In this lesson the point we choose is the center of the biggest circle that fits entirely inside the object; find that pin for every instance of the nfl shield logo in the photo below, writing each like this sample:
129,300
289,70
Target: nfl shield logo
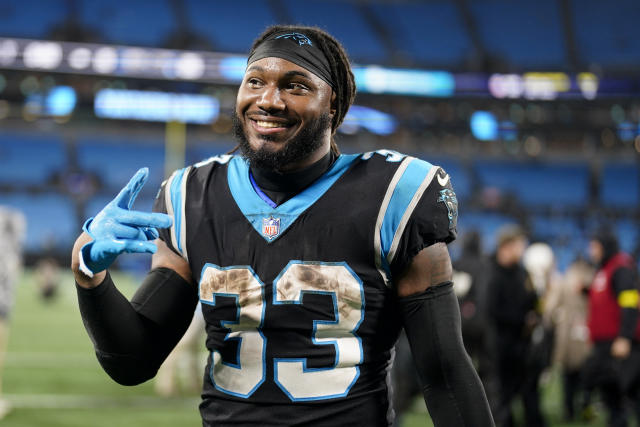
270,227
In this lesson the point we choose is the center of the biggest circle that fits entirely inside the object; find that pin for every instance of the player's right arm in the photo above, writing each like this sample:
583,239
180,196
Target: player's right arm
131,338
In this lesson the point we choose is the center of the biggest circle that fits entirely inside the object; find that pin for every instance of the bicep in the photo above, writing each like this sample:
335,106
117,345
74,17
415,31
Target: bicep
166,258
431,266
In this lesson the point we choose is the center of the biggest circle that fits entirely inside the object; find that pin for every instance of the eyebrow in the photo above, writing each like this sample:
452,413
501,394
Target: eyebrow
291,73
297,73
255,68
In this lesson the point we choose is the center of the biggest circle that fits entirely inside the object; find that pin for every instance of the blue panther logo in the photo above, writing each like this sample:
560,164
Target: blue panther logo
297,37
448,197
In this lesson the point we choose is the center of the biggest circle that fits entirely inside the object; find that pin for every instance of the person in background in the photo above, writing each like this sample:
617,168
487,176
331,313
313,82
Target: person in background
614,327
566,307
539,261
47,278
12,233
513,305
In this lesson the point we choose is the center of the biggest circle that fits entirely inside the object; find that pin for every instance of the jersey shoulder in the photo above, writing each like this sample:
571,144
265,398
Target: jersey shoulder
190,182
419,208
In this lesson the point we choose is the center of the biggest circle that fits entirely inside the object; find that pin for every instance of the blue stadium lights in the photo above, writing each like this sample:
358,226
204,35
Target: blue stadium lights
380,80
60,101
484,126
57,102
374,121
156,106
232,68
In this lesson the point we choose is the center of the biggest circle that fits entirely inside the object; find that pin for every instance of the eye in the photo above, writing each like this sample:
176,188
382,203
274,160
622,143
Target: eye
253,82
297,87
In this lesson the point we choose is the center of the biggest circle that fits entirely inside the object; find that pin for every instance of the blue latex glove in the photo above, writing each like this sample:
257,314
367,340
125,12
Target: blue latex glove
117,229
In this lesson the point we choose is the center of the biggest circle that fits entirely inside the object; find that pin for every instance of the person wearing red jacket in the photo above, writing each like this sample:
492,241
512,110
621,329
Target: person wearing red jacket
614,327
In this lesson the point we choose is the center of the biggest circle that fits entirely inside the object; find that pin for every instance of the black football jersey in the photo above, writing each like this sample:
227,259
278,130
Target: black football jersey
298,298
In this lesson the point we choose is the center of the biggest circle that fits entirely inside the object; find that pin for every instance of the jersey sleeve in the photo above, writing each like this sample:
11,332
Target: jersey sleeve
171,199
433,219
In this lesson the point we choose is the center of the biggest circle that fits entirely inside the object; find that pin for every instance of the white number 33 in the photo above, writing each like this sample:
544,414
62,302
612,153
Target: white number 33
293,376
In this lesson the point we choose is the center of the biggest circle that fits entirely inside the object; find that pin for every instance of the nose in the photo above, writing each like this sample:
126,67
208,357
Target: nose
270,100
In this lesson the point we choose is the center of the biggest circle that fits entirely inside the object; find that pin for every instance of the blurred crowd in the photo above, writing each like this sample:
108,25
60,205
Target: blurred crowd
521,318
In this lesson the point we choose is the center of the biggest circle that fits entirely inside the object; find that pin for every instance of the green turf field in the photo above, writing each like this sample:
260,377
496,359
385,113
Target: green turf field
52,378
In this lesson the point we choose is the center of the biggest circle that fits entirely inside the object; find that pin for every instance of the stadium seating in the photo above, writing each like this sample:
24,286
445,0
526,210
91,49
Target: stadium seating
344,21
230,26
430,33
526,34
607,32
620,185
115,162
486,223
17,18
629,235
51,220
141,22
30,159
546,185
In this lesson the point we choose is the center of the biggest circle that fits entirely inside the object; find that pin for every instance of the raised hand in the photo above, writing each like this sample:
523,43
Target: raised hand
117,229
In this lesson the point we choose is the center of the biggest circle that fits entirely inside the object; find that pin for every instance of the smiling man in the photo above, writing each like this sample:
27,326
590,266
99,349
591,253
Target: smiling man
307,262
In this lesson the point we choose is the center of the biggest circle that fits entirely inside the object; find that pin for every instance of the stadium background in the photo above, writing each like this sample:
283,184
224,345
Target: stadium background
532,107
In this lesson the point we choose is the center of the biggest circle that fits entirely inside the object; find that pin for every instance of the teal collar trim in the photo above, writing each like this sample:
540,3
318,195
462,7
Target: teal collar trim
272,222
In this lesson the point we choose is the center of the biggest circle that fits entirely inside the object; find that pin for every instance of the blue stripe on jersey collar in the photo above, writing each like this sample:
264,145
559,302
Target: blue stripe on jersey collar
256,210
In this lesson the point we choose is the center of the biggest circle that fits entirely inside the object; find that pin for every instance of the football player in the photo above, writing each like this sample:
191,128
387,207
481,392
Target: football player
307,262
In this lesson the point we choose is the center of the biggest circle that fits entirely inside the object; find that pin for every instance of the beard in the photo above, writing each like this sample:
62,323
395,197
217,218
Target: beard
306,142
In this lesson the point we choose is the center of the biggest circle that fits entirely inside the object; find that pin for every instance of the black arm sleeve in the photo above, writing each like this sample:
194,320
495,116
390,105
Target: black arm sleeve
624,279
132,339
452,389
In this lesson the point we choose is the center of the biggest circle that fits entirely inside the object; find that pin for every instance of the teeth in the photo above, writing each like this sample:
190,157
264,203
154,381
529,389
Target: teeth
264,124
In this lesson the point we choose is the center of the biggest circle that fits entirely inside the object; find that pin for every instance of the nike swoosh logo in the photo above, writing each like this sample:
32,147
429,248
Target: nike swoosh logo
442,180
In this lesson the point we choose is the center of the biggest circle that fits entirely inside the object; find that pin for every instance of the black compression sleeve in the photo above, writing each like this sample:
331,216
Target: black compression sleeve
131,345
452,390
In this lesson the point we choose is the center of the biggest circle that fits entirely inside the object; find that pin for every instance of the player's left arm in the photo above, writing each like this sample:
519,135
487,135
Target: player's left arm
422,275
431,318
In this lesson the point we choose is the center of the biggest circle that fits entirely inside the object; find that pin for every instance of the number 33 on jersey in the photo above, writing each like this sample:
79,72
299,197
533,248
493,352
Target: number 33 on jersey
242,376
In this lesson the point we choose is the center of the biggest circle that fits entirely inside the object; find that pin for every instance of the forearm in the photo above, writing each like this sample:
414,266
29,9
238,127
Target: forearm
132,339
121,337
452,390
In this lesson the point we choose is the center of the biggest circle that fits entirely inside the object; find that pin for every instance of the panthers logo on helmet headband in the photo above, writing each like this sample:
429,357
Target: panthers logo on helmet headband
298,37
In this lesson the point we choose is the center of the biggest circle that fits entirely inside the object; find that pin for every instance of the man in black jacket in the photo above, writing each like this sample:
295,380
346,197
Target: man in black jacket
512,311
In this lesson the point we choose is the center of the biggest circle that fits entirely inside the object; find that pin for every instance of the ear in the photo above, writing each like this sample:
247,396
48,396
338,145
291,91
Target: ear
334,102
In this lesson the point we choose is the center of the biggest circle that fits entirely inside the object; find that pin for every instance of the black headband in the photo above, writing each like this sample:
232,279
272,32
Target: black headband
297,48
